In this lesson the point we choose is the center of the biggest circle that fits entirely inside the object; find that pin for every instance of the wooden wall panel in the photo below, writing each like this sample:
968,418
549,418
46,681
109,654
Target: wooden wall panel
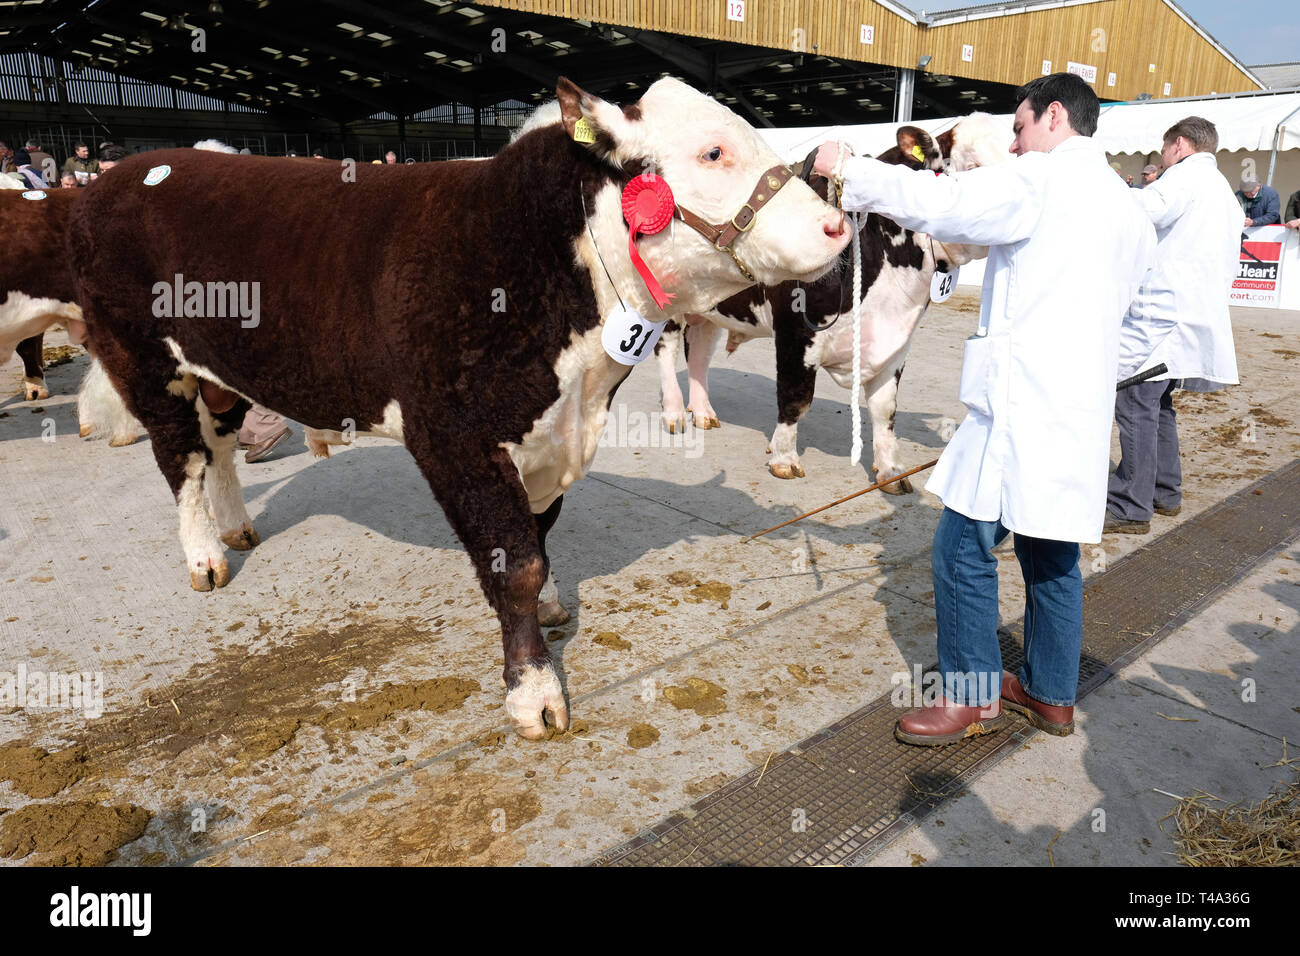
1120,36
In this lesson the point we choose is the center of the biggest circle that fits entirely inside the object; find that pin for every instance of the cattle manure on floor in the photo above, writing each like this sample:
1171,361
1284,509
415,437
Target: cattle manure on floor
702,696
70,834
611,640
642,735
56,355
38,773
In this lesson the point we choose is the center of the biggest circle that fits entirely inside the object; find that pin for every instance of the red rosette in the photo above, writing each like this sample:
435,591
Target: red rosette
648,206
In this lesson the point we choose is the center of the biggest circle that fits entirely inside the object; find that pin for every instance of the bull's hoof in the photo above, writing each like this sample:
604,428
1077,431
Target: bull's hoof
85,430
34,390
551,614
241,539
122,440
675,423
537,695
214,576
783,470
903,487
706,421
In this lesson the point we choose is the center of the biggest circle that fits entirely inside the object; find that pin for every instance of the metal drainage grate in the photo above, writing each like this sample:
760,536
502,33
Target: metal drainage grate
857,788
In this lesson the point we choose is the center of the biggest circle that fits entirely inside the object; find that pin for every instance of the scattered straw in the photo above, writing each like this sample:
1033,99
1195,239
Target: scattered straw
1185,720
1051,859
1267,834
764,770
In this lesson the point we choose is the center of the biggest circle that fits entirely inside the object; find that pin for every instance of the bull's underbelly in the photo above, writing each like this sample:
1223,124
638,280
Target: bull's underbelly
563,441
757,324
889,318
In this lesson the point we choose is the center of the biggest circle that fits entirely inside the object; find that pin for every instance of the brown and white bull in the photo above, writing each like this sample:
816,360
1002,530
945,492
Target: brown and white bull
35,283
897,268
456,307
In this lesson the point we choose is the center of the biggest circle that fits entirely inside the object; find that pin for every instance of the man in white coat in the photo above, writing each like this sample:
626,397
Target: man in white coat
1180,317
1068,248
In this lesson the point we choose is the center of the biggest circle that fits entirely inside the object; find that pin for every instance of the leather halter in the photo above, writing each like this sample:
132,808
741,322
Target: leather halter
722,236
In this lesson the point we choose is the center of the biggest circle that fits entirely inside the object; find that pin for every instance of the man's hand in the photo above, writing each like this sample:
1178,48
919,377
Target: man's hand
1293,224
1249,221
828,157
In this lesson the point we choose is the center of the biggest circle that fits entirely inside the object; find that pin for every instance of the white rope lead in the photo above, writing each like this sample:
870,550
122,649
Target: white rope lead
855,456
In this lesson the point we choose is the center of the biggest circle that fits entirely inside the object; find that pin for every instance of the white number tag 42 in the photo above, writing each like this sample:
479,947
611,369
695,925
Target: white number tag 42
629,337
942,285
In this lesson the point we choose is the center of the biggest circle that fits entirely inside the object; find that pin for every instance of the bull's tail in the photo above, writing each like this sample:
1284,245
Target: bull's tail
101,411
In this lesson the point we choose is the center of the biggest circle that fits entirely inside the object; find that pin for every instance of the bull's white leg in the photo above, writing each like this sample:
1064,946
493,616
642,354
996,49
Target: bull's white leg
204,554
101,411
550,613
538,695
784,451
882,406
673,405
222,485
34,388
703,338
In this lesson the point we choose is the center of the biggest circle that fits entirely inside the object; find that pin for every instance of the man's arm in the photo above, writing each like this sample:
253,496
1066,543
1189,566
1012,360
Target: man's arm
1164,201
988,206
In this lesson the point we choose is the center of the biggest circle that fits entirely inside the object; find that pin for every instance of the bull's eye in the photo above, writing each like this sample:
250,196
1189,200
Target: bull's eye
714,154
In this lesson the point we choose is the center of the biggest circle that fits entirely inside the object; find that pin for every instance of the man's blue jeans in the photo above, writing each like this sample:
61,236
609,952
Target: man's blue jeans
966,608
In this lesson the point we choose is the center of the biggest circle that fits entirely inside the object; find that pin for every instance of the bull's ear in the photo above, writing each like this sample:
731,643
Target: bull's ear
912,139
570,96
607,126
945,142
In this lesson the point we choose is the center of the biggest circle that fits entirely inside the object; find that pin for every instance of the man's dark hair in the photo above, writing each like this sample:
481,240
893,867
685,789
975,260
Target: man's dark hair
79,145
113,154
1198,131
1071,92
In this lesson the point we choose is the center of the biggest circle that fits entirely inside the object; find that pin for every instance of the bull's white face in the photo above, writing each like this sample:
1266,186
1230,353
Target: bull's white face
712,160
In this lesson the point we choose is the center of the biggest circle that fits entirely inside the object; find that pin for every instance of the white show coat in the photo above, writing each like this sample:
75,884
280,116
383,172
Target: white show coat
1068,249
1182,308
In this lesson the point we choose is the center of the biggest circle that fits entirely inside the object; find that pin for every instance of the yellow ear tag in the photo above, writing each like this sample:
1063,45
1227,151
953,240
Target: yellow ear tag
583,132
917,152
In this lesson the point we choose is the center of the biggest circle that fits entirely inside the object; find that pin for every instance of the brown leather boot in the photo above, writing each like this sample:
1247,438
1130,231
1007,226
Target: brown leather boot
946,723
1048,717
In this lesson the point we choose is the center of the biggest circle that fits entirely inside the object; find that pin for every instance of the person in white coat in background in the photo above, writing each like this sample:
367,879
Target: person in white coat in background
1180,317
1068,249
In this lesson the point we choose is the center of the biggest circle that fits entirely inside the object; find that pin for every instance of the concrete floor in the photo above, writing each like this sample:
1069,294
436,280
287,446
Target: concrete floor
339,701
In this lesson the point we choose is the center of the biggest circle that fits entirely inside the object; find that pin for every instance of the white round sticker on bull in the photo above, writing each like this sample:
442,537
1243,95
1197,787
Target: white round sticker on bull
942,285
34,194
157,175
630,337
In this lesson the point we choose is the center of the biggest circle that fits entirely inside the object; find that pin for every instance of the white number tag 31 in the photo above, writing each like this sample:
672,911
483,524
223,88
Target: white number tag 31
942,285
629,337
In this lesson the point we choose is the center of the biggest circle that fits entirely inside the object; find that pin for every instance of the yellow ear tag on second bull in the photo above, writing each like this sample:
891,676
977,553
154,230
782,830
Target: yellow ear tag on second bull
918,154
583,132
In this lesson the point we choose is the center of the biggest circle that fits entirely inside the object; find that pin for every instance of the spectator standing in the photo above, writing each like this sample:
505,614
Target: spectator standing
1292,218
111,155
1179,318
1260,203
80,164
1150,173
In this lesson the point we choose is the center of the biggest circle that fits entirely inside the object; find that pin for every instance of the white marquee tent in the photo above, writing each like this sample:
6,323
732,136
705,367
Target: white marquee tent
1130,132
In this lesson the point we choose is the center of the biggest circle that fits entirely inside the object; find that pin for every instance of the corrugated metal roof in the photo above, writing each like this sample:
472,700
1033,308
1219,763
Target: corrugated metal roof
1278,76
